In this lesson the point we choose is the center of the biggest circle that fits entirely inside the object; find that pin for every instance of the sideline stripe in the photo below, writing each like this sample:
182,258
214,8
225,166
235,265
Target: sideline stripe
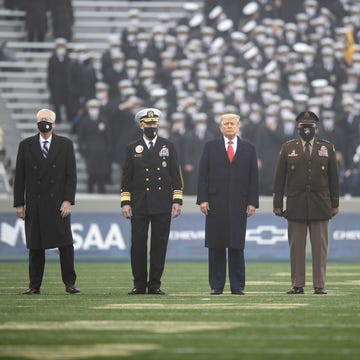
74,352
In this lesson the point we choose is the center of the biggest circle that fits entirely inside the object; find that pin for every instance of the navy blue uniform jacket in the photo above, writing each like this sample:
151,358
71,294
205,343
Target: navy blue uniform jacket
151,180
229,189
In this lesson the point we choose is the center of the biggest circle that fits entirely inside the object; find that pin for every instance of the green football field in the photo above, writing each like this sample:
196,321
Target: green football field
103,322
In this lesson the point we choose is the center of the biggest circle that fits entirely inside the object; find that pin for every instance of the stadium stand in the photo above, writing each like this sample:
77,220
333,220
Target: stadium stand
264,62
23,79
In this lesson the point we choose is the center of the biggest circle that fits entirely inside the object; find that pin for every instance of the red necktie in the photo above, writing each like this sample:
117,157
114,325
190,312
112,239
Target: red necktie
230,151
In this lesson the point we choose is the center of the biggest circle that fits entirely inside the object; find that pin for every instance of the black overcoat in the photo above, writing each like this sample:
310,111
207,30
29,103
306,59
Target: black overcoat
229,189
42,185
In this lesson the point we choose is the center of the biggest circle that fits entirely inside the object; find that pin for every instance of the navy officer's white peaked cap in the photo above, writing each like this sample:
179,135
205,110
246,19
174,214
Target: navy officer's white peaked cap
148,115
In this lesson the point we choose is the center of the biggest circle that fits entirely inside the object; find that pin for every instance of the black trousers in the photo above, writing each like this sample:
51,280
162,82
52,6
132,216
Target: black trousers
160,228
217,268
37,265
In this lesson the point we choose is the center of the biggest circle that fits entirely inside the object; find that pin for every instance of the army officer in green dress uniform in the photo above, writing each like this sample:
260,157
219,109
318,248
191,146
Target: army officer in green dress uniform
151,192
307,173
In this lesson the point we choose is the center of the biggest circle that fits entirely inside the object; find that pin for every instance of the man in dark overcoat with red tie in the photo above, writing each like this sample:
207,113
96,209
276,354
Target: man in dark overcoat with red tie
227,194
44,190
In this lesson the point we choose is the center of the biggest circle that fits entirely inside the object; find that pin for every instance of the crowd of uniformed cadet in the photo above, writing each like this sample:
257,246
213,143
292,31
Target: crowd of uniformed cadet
265,60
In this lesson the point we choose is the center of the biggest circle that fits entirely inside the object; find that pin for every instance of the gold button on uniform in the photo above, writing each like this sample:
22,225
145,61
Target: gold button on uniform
147,189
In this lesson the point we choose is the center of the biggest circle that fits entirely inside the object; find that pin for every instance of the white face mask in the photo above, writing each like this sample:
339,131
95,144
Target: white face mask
182,38
159,38
271,123
162,132
327,100
311,11
93,113
289,127
60,51
142,45
244,108
329,124
178,127
291,37
252,82
255,118
101,95
114,50
118,67
269,51
131,73
200,128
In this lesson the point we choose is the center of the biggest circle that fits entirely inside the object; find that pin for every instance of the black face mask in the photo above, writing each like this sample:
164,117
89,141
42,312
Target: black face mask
150,132
307,133
44,126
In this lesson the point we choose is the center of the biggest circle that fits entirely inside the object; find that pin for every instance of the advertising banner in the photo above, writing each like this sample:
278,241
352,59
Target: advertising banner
107,235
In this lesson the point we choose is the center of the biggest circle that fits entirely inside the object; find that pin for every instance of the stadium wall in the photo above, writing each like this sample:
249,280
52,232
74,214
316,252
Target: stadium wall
101,233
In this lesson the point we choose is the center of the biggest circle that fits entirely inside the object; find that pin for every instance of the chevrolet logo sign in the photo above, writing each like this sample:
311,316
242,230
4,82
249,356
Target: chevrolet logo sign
266,235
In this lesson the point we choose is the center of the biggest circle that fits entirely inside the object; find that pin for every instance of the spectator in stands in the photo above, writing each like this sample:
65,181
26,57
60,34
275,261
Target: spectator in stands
62,18
123,128
106,57
350,123
44,190
85,79
95,146
115,73
194,144
268,143
36,22
58,79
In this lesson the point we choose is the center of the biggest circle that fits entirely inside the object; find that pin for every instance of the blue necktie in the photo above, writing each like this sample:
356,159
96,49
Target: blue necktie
45,149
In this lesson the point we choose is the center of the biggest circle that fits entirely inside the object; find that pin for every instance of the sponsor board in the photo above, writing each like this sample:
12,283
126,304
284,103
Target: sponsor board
108,235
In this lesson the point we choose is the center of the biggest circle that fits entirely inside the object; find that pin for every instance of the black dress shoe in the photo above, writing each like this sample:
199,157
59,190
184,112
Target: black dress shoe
72,289
156,292
237,292
296,290
320,291
137,291
31,291
216,292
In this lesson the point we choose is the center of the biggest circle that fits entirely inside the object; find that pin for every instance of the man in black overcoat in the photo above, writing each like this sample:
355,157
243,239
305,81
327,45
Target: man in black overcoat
227,194
44,190
151,192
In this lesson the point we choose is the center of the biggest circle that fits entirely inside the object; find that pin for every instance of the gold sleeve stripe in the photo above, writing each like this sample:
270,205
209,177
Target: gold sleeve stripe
125,196
177,194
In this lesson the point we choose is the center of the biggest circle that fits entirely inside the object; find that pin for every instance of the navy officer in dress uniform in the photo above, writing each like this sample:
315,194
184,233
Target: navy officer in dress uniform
307,173
151,192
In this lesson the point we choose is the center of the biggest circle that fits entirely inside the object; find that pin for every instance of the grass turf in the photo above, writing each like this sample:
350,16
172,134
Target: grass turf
103,322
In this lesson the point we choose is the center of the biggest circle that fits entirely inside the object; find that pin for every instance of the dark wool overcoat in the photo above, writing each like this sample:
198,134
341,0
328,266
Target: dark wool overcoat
228,188
42,185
